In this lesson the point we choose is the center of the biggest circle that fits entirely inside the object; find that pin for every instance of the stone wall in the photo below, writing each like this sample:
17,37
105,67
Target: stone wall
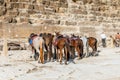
89,17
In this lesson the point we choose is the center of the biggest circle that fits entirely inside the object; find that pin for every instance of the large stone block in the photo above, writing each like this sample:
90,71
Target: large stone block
78,11
1,2
61,10
48,22
46,3
14,12
3,10
14,0
24,19
22,6
24,0
21,19
70,23
15,5
31,7
31,11
25,14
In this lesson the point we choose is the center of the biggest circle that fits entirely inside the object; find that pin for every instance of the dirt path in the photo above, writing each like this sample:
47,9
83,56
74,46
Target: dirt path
18,66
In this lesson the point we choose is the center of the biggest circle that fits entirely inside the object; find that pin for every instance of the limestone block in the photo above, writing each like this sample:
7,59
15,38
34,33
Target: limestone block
38,1
64,5
32,1
103,1
45,2
14,12
57,17
14,20
48,22
3,10
9,6
101,8
97,13
62,10
1,2
22,6
14,0
100,19
23,19
36,7
74,6
79,11
96,2
31,7
56,22
31,11
24,0
8,19
41,8
36,16
32,21
70,23
74,0
49,11
92,18
90,1
84,1
63,1
24,14
15,5
53,4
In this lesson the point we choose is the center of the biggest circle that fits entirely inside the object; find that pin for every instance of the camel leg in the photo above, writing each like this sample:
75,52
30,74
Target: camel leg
61,56
72,52
66,55
41,56
78,51
57,56
50,53
86,51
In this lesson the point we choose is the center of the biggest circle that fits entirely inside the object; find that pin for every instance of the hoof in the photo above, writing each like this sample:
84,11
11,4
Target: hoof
60,62
48,60
78,58
65,63
96,54
42,62
74,62
30,56
86,56
36,57
57,60
52,60
38,61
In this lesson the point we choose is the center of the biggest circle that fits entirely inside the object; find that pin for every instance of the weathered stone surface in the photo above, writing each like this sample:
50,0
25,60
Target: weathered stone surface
1,2
88,14
3,10
68,23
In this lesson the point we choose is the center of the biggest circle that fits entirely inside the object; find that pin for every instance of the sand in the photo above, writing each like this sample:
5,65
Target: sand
19,66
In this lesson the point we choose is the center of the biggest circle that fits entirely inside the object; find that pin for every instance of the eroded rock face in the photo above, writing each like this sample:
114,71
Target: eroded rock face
1,2
62,8
79,13
3,10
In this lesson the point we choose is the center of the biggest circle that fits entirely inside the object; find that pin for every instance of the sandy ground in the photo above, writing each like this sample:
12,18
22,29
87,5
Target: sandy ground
19,66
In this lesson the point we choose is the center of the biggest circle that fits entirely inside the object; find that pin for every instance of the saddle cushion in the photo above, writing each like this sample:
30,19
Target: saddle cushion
30,41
